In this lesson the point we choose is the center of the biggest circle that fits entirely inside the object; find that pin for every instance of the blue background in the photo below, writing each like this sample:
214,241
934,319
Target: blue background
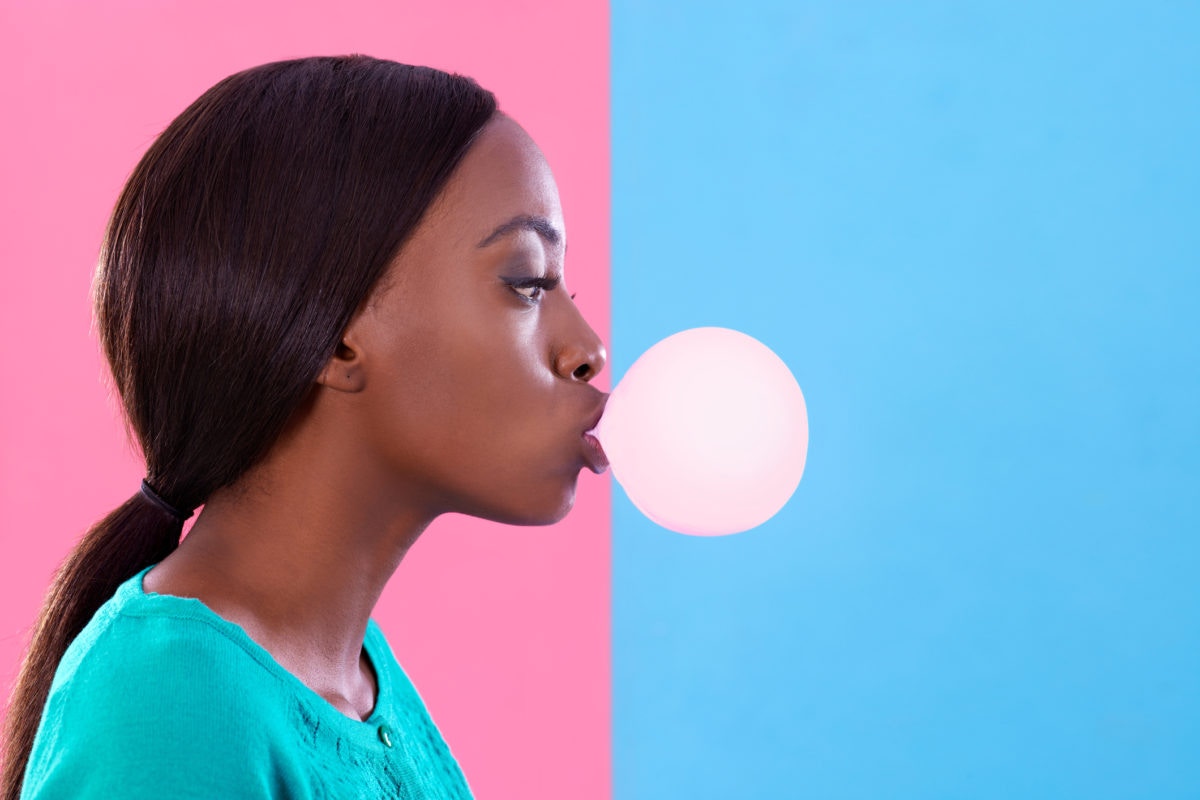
973,232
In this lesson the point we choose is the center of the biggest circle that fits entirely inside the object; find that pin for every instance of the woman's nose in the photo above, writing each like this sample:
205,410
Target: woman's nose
582,355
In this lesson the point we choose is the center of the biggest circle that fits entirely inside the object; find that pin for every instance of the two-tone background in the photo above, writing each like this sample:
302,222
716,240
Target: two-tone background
972,229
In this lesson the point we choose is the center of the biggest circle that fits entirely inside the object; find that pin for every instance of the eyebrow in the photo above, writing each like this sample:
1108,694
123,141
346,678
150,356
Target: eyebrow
539,225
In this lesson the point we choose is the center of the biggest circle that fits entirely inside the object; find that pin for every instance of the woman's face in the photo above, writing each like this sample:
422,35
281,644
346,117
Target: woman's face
475,361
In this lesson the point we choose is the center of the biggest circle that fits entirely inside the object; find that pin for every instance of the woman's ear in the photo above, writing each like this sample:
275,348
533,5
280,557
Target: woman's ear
344,371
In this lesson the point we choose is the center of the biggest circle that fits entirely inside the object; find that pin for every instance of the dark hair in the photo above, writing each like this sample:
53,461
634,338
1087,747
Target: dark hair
241,247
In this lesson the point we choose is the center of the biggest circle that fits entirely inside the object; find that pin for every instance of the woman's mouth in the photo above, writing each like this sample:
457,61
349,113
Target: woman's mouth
593,453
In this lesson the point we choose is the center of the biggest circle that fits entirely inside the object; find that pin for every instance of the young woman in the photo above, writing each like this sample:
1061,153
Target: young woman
331,295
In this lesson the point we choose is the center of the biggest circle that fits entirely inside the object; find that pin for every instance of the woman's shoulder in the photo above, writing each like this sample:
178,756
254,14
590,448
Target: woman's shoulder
142,643
153,686
160,692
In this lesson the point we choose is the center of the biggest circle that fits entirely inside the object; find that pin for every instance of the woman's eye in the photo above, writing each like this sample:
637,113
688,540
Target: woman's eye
532,289
529,292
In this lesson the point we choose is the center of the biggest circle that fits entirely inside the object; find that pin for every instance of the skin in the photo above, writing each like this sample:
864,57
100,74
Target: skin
451,391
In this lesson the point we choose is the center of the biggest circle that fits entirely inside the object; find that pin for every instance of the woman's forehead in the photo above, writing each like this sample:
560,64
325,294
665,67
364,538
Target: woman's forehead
503,177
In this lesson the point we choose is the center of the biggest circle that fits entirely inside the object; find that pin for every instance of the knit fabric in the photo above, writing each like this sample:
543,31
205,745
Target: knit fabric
161,697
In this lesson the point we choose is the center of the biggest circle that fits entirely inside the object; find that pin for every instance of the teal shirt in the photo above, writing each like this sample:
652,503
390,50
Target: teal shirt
161,697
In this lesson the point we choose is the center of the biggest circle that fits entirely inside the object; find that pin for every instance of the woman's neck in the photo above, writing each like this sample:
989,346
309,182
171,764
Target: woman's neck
297,553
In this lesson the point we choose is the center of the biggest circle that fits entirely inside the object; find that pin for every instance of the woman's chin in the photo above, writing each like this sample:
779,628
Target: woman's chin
552,510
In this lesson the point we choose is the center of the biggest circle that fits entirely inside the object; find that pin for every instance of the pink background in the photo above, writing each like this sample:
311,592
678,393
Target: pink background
504,630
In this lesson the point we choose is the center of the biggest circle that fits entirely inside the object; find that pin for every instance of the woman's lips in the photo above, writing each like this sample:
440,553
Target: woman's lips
593,453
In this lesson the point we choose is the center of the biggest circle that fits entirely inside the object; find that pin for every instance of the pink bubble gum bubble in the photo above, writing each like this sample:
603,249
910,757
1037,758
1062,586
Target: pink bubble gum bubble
707,432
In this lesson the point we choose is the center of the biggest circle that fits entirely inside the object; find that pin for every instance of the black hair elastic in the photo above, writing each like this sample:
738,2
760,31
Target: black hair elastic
153,497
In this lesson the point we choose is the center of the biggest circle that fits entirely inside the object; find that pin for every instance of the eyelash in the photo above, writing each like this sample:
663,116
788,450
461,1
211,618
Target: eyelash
541,284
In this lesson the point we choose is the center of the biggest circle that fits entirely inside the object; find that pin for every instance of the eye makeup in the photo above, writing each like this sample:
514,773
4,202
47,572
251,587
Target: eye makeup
531,289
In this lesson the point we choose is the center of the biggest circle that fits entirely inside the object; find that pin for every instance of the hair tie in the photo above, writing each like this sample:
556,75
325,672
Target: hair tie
153,497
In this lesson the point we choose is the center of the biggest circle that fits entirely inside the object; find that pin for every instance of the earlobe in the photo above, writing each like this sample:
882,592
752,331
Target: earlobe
344,370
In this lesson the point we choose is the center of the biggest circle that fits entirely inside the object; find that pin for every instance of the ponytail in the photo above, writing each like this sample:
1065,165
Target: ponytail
131,538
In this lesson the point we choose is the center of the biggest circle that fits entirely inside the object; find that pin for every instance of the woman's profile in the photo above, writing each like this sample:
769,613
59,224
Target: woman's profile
332,299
